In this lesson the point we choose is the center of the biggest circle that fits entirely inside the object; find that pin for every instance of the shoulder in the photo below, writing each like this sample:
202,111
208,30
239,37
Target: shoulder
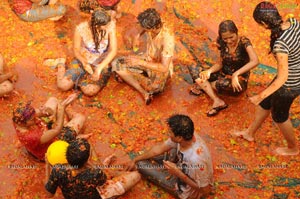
82,26
201,148
96,172
167,30
245,41
59,170
112,25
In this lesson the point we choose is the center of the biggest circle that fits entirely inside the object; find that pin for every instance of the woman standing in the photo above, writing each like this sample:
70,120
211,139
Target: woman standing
95,46
280,94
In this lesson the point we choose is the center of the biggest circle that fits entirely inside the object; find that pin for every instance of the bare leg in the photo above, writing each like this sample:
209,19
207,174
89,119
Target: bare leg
128,179
76,122
64,83
288,132
90,89
260,116
50,107
6,87
209,90
52,2
1,64
127,77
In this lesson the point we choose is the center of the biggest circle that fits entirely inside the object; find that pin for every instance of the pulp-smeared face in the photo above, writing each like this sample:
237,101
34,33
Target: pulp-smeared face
230,38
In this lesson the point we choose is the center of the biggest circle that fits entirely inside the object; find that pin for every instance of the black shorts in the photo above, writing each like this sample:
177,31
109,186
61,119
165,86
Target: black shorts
67,134
280,103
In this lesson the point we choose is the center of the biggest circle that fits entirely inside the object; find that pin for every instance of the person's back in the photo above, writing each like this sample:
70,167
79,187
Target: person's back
79,179
76,183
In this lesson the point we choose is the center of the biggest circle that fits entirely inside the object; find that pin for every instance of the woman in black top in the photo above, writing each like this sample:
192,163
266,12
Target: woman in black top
230,75
280,94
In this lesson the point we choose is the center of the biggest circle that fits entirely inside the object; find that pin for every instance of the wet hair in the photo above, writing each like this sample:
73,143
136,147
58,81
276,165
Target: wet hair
23,113
150,19
181,125
99,18
267,13
225,26
78,153
109,4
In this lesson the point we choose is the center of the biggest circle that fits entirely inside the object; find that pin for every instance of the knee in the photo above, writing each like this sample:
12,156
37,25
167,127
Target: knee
114,64
280,118
6,87
62,9
64,86
53,99
90,91
136,175
80,117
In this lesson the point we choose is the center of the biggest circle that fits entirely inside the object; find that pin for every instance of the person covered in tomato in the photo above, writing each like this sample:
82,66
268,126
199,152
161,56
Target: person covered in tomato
38,10
181,165
278,97
230,75
111,6
149,71
36,135
81,178
95,46
6,80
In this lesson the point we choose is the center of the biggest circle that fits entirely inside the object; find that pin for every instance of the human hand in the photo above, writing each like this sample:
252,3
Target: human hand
84,136
95,77
14,77
132,60
69,99
256,99
109,160
45,111
205,75
235,83
171,167
129,166
88,68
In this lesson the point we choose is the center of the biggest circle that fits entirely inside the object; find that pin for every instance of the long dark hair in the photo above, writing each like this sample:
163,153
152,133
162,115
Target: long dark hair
225,26
99,18
267,13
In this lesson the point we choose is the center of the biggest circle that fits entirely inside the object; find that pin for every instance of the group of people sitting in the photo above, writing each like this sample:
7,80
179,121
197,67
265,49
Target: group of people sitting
185,156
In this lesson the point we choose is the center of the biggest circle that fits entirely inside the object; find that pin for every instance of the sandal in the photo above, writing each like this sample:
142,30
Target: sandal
214,111
196,90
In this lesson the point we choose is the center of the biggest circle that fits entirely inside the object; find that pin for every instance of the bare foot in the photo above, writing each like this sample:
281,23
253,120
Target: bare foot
84,136
243,134
55,18
109,160
54,62
286,151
